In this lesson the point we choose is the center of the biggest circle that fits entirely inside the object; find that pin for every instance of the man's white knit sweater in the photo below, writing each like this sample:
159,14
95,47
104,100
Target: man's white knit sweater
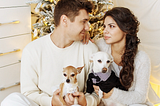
137,93
42,66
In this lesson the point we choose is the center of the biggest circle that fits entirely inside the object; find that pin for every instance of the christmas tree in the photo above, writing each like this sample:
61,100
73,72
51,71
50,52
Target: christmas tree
44,11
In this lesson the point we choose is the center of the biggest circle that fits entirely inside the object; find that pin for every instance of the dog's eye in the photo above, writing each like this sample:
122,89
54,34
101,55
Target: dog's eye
65,75
99,61
72,75
108,61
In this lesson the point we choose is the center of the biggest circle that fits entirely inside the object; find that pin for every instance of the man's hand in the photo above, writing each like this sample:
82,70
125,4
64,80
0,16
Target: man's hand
55,99
69,99
81,98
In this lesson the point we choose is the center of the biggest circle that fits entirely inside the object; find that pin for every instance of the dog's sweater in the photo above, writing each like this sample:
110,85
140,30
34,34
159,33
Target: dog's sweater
42,65
105,86
137,93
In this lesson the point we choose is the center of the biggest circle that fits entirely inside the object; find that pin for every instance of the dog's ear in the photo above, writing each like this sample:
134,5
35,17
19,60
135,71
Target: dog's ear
63,69
79,69
111,59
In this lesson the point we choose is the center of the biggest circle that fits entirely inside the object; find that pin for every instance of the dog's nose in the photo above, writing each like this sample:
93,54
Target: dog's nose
104,70
67,80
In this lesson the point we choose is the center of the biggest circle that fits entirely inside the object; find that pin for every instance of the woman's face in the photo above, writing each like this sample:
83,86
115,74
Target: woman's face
112,33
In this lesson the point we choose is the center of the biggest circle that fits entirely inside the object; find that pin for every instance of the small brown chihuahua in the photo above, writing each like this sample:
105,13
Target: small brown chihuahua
70,85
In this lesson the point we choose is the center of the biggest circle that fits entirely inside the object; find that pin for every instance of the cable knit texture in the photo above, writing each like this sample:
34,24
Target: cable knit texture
138,92
42,66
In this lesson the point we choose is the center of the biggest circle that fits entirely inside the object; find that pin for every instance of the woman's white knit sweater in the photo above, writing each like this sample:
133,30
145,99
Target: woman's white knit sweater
137,93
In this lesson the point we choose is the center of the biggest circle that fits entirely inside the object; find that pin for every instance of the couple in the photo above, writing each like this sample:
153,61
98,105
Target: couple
44,58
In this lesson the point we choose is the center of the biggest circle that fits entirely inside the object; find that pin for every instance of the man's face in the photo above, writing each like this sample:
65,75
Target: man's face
76,29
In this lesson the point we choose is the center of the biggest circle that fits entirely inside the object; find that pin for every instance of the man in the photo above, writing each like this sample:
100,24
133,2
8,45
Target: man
43,60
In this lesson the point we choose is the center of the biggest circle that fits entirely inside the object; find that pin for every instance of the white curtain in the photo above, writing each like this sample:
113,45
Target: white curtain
148,13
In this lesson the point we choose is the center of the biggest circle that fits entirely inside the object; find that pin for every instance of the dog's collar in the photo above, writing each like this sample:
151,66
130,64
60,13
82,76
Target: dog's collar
102,76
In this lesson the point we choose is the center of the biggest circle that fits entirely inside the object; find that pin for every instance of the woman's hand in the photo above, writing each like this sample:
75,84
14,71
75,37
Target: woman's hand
107,95
86,38
96,89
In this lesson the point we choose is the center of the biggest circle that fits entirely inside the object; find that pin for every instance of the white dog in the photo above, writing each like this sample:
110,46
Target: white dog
101,75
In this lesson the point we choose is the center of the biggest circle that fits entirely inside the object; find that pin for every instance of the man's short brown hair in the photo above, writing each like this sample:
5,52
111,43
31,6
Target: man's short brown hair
70,8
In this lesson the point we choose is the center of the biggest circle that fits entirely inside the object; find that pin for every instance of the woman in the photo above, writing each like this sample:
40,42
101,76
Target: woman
131,65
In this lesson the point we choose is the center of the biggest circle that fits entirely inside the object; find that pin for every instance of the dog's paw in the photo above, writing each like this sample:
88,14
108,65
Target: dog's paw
100,93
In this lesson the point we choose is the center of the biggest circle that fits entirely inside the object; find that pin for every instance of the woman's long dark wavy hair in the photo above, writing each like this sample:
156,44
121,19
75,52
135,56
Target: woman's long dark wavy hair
128,23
